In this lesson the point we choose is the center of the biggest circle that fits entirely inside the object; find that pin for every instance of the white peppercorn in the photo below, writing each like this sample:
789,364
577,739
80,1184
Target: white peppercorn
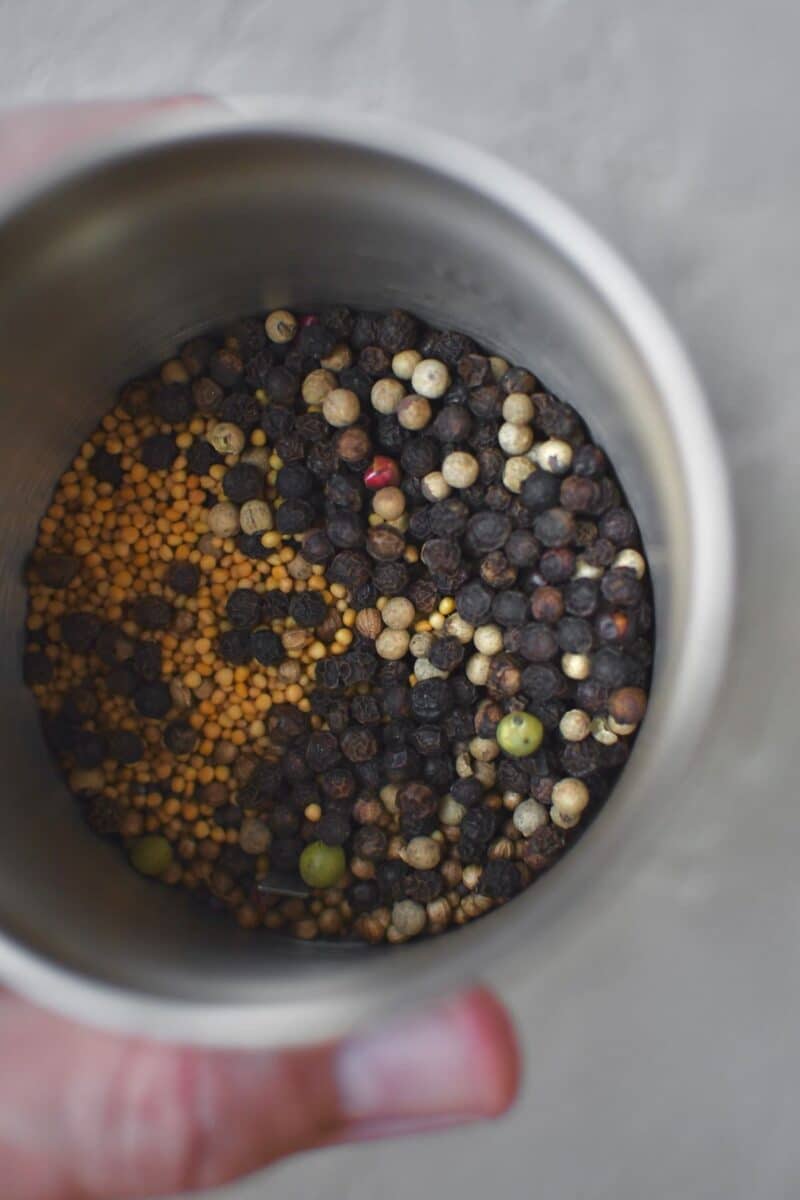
464,765
460,469
430,378
223,519
173,371
341,408
529,816
420,644
254,836
341,356
455,626
392,644
575,725
620,728
554,456
450,811
570,796
485,772
398,613
435,487
563,820
408,917
257,456
281,326
518,408
601,732
585,570
515,439
477,670
633,560
414,412
511,800
389,503
227,438
576,666
484,749
388,797
255,516
516,471
423,853
499,366
488,639
470,876
404,362
424,669
317,384
386,394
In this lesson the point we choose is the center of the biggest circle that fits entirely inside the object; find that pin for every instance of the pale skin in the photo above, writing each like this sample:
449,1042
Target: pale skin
91,1115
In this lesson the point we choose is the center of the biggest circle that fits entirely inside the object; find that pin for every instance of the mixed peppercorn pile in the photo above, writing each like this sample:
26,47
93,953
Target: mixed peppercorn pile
344,600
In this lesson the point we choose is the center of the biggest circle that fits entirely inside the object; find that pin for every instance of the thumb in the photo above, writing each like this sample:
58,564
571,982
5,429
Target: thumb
92,1116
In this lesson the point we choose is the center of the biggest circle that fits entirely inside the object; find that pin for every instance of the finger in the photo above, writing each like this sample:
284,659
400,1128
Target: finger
29,137
92,1116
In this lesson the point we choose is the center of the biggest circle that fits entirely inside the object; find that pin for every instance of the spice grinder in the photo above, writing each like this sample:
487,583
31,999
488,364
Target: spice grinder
120,254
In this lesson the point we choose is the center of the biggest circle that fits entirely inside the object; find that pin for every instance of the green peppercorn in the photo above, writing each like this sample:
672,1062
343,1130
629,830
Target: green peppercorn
520,733
151,855
322,866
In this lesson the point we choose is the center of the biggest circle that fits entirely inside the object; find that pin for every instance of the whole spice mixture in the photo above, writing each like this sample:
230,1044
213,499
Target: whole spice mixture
344,600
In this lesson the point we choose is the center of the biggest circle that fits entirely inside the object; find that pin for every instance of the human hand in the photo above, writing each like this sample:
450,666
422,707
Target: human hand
90,1115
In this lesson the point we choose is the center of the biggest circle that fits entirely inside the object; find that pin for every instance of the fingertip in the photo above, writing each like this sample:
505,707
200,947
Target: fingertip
488,1028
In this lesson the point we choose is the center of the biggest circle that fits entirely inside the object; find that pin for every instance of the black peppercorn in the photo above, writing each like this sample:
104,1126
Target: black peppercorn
486,403
385,543
390,878
575,635
497,571
152,700
294,516
424,595
333,828
447,653
322,750
370,842
557,565
430,699
358,744
453,424
619,526
106,468
56,570
121,681
308,609
79,631
37,668
234,647
390,578
500,880
474,602
420,455
610,668
294,482
457,725
620,586
243,481
478,825
581,597
183,578
540,491
146,660
417,806
423,886
538,643
541,681
365,710
441,554
243,608
399,763
428,740
509,608
180,737
89,749
554,527
487,531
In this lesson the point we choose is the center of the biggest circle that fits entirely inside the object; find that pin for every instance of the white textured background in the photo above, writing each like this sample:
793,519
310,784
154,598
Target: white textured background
673,127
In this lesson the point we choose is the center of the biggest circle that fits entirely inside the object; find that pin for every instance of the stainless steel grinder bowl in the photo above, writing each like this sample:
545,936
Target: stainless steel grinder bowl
115,258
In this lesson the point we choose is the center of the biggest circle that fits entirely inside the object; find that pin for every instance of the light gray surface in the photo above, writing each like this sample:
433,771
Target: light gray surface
672,127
